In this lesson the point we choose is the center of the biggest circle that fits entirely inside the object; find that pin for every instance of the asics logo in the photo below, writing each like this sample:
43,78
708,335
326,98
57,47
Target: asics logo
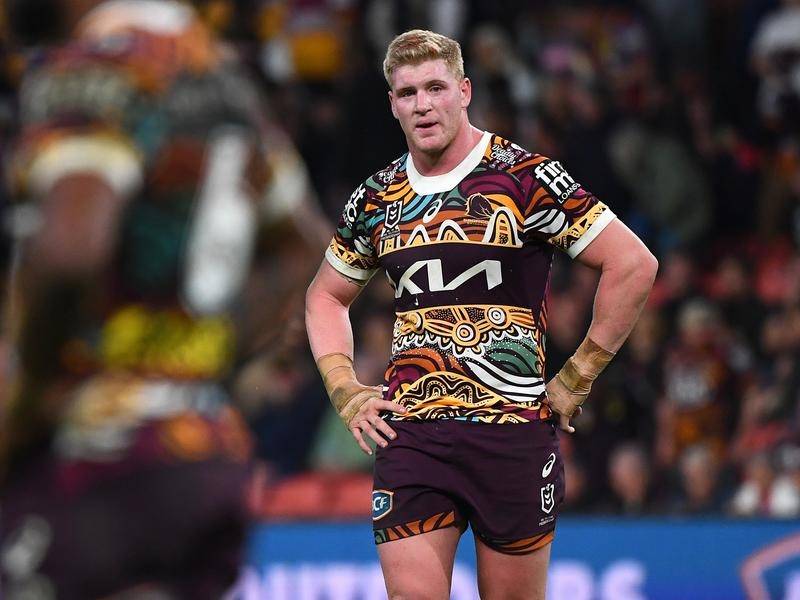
548,466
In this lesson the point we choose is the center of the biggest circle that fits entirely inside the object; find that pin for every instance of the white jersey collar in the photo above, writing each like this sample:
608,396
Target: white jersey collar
436,184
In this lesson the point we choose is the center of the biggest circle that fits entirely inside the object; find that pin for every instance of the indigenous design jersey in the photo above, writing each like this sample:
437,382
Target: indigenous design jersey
147,100
468,254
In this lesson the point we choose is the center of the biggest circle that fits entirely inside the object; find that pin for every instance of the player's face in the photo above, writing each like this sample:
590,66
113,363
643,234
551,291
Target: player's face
430,103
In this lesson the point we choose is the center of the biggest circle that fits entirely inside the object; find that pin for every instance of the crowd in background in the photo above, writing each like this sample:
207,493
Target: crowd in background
682,116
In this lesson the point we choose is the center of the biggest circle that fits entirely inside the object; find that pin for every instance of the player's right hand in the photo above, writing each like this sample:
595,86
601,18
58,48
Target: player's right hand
368,419
564,403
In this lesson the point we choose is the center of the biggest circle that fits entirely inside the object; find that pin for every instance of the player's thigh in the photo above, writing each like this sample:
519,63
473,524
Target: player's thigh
420,567
504,576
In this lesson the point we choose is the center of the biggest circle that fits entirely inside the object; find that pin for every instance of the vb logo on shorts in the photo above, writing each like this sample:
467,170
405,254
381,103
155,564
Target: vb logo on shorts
381,503
548,497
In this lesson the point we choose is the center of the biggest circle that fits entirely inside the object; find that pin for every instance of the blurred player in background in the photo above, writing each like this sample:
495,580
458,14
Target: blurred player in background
465,226
154,223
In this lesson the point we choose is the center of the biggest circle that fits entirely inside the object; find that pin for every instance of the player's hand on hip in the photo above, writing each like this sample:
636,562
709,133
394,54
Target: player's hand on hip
368,420
359,406
564,403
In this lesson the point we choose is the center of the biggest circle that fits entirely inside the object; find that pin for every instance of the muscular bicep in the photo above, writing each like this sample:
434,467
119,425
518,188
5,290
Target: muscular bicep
615,244
331,285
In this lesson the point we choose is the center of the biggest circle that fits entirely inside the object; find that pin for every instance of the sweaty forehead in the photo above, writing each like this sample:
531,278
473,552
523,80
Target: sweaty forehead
415,75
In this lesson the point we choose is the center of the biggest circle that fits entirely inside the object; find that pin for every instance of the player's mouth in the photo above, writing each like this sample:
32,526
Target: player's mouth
426,125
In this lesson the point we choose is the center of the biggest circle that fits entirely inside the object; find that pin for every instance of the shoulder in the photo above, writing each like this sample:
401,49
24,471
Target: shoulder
505,155
364,197
392,173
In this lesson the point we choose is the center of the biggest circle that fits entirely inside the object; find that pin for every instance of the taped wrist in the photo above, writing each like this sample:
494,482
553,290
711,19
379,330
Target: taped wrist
583,367
346,394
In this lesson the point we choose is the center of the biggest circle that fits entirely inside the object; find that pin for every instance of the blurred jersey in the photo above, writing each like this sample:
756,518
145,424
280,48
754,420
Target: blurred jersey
146,100
123,371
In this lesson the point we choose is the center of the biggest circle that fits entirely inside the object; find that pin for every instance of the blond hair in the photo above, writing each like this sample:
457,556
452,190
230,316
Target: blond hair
419,45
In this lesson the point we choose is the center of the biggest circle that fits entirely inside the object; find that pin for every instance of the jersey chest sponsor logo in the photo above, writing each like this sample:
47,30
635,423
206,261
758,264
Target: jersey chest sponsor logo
490,268
554,177
381,503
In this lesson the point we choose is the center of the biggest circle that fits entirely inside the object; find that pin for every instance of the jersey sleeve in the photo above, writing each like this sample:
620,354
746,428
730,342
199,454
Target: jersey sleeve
558,210
351,251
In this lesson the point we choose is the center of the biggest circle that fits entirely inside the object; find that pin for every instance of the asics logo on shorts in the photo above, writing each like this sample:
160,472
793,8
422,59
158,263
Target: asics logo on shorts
381,503
548,466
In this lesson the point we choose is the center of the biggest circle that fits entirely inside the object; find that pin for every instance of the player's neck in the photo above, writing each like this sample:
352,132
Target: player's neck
439,163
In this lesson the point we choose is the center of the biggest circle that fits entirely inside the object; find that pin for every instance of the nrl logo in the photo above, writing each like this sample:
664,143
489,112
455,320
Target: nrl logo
381,503
548,497
391,222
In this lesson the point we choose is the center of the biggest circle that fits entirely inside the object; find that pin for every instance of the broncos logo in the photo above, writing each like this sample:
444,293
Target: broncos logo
479,207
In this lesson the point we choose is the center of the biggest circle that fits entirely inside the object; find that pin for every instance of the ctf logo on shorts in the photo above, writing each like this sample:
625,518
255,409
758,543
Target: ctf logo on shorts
548,497
381,503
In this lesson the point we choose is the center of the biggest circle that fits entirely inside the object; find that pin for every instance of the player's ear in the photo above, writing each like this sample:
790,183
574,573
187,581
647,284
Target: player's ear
465,87
391,104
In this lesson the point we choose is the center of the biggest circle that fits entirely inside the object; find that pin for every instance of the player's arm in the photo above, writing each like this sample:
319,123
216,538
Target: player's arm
627,271
79,217
330,335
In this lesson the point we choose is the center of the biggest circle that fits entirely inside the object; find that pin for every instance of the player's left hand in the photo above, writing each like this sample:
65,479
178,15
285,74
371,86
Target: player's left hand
565,404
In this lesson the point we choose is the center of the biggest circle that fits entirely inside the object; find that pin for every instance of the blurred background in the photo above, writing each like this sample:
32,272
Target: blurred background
684,117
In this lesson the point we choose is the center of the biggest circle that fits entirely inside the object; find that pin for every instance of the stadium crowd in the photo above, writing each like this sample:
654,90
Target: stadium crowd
684,117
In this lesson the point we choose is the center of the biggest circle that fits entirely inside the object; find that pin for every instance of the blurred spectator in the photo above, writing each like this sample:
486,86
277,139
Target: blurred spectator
387,18
734,291
668,187
577,498
776,58
762,426
700,489
630,481
503,87
678,282
272,390
763,493
703,379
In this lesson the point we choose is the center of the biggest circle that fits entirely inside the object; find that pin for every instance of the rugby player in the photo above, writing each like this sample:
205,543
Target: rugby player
465,226
150,190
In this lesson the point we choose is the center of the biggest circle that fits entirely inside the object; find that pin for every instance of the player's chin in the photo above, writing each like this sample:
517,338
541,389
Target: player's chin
430,143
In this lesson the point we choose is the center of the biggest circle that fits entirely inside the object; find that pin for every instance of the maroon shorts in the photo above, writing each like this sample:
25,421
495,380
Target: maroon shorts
90,530
505,481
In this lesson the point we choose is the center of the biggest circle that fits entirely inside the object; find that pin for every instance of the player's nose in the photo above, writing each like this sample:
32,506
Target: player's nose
423,103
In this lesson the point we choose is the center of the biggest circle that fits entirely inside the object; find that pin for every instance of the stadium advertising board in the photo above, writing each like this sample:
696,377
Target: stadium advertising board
593,559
